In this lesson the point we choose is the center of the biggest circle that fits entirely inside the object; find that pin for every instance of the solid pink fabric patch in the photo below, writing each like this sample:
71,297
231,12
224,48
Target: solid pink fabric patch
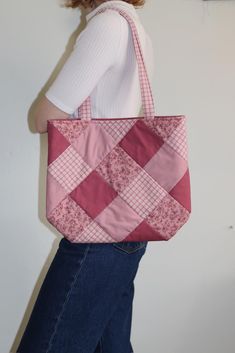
167,167
55,193
118,219
93,144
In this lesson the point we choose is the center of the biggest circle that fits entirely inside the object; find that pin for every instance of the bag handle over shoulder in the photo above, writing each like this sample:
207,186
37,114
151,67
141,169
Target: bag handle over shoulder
84,111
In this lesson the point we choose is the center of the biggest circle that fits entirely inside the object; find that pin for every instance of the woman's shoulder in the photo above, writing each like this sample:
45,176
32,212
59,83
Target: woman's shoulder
108,19
102,27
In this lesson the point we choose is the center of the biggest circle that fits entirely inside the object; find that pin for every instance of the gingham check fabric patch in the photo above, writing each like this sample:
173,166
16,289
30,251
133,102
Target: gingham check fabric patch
116,128
69,169
143,194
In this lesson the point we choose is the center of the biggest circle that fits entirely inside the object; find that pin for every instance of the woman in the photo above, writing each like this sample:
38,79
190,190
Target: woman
85,302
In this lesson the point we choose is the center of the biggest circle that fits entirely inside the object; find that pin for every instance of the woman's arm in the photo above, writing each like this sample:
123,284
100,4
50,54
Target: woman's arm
46,110
95,51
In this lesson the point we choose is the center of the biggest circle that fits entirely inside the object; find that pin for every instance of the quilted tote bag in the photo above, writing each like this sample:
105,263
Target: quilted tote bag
118,179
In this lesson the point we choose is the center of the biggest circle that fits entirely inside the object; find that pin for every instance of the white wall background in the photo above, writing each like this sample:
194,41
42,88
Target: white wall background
185,288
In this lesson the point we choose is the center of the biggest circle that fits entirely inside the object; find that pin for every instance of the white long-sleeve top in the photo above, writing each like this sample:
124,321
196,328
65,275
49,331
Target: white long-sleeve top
103,65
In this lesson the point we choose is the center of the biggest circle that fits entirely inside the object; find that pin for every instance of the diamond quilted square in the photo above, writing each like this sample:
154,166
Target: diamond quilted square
118,219
93,194
141,143
94,144
69,169
143,194
167,167
118,169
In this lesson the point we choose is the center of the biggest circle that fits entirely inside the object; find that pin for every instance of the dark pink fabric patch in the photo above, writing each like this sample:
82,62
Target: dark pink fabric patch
181,191
93,194
143,232
141,143
57,143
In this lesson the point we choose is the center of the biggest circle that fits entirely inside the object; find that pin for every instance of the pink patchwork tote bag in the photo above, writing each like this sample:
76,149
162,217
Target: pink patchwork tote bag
118,179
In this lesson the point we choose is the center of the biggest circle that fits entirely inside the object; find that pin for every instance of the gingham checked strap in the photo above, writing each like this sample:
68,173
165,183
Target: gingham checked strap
84,111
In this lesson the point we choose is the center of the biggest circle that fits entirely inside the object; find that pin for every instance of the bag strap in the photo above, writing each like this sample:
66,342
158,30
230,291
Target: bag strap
84,111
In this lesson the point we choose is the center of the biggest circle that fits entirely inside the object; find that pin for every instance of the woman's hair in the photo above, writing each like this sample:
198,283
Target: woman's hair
90,3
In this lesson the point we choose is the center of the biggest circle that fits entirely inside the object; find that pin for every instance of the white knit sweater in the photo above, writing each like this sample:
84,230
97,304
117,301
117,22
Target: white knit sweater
103,65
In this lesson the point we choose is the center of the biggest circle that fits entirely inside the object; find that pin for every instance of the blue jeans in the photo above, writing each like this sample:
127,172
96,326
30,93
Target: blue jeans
85,302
